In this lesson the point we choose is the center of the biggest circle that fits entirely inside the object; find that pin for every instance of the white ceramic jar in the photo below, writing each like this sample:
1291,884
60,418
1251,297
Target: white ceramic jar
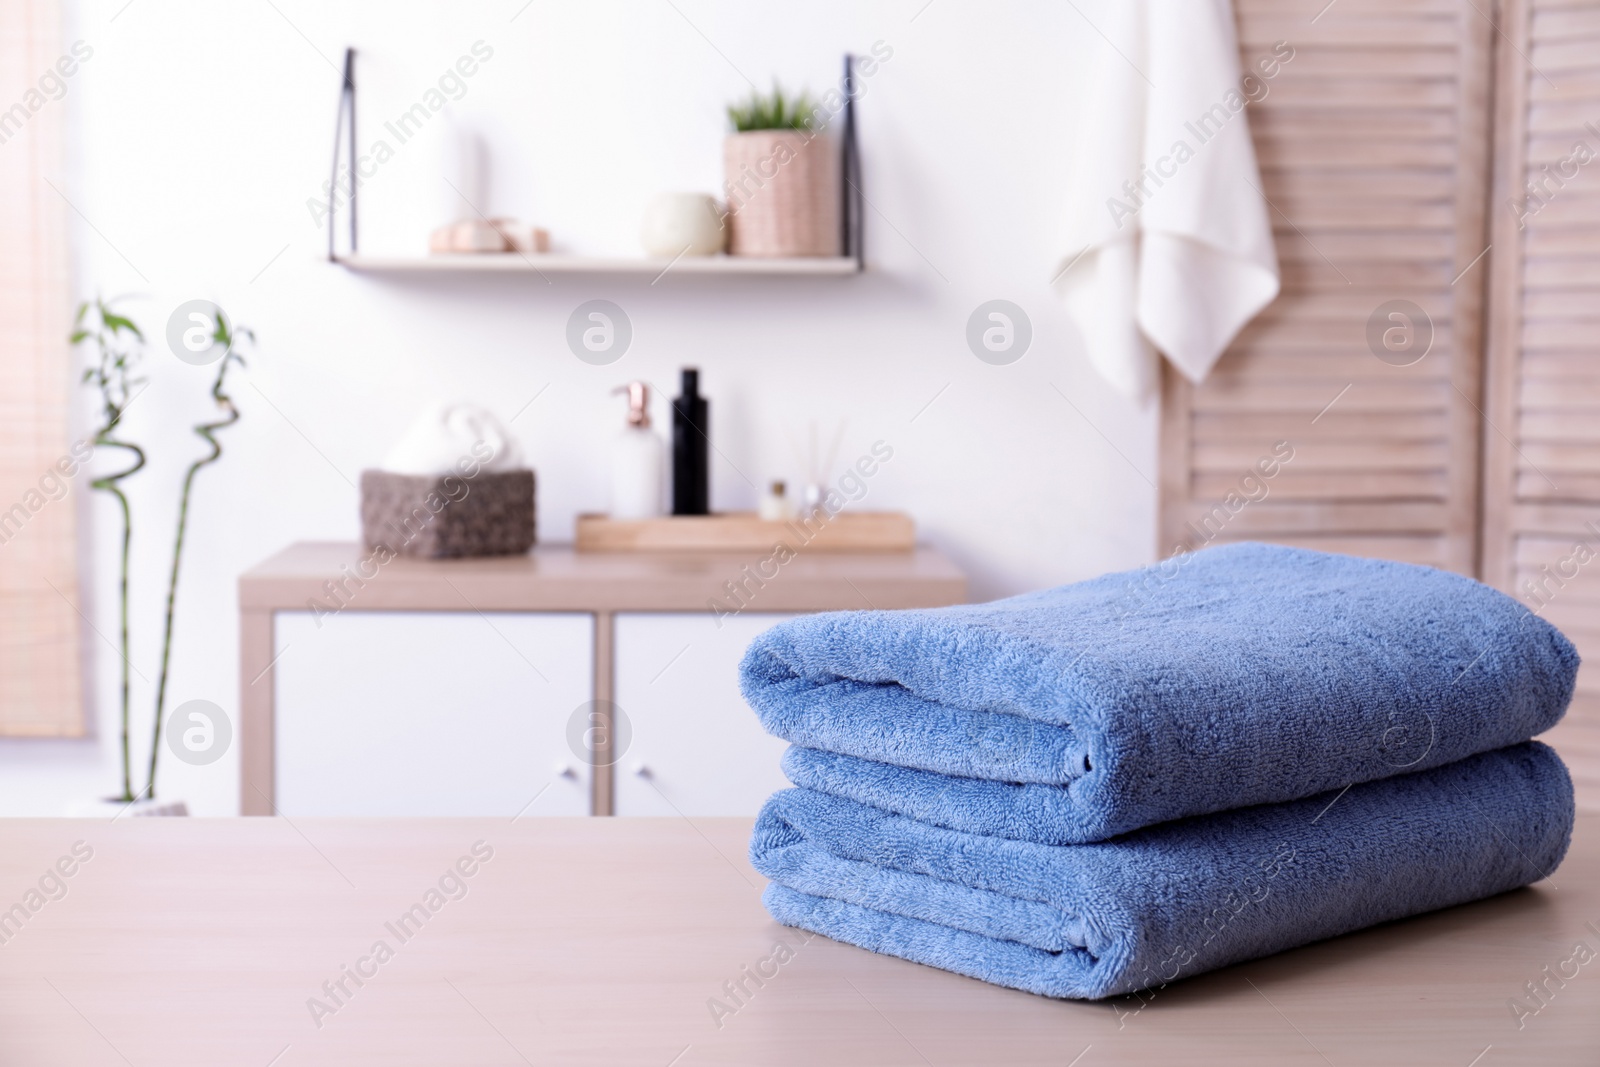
677,224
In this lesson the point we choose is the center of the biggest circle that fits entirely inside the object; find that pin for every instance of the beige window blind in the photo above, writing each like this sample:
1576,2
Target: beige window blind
40,655
1374,145
1541,519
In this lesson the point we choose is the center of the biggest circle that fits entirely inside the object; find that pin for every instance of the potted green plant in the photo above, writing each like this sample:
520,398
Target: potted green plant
781,178
119,346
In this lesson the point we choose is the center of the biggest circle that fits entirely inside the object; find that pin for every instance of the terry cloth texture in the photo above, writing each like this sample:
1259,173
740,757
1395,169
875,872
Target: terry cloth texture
1233,676
1172,900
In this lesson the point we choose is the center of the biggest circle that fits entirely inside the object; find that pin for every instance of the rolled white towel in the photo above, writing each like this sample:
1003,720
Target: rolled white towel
446,434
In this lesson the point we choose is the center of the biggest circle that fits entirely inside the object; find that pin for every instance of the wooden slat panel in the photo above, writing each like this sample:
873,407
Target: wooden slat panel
1230,457
1551,522
1349,212
1572,303
1345,305
1356,123
1240,391
1572,86
1317,185
1425,246
1534,485
1549,333
1566,24
1281,518
1562,242
1353,363
1563,56
1542,483
1559,394
1571,114
1556,272
1336,425
1558,425
1373,145
1329,486
1397,276
1553,146
1572,206
1331,152
1259,33
1557,456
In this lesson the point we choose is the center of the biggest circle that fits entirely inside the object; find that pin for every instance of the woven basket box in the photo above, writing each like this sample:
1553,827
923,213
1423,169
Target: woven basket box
448,516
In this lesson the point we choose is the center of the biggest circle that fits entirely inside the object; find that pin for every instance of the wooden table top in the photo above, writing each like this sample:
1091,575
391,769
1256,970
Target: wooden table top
612,941
558,578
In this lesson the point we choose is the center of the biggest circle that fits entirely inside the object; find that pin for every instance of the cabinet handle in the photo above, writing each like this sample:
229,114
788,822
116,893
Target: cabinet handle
641,770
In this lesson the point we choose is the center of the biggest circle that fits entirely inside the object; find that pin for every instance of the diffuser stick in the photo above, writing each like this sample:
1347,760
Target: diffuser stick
833,452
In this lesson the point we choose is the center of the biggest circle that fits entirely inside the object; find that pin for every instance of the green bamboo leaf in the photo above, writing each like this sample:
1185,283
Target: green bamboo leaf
117,323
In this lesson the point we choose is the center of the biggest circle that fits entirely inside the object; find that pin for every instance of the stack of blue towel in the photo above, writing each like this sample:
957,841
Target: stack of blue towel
1108,786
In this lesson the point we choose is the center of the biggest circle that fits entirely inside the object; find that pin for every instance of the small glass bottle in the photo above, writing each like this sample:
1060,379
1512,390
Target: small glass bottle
774,506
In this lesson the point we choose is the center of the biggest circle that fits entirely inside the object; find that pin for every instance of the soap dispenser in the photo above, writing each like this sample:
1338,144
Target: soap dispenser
637,460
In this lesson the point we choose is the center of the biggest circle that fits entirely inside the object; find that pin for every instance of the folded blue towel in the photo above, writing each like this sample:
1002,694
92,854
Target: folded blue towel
1172,900
1237,675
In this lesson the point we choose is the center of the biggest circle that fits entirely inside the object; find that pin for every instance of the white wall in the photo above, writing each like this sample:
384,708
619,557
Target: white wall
200,130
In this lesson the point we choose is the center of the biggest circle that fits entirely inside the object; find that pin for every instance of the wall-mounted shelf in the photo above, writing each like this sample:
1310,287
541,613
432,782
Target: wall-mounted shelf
546,263
852,205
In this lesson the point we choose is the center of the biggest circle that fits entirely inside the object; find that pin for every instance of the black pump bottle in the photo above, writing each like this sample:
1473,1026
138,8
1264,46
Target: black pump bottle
691,445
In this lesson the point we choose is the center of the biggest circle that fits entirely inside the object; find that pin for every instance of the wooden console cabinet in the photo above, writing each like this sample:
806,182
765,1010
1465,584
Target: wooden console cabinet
455,687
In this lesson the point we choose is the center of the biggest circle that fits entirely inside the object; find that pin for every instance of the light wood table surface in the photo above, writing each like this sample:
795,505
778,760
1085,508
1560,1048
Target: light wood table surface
550,578
603,941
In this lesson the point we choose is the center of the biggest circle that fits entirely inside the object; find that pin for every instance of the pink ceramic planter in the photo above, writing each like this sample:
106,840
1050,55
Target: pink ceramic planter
783,193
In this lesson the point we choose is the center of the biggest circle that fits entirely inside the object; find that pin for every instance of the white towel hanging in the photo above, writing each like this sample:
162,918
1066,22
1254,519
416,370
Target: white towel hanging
1169,242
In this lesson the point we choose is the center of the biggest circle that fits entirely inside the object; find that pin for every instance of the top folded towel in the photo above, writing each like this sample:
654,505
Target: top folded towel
1244,674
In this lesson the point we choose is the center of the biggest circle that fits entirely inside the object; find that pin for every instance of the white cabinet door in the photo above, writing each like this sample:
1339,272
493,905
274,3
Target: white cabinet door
696,747
430,713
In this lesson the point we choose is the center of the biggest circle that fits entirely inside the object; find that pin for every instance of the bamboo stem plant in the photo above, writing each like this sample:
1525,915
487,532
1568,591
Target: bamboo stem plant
224,336
119,346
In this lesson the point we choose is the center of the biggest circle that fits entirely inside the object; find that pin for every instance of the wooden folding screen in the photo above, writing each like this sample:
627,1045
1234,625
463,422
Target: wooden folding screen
1541,520
1394,176
1374,145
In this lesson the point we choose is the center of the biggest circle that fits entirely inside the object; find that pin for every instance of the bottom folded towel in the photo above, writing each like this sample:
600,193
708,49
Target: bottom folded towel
1171,900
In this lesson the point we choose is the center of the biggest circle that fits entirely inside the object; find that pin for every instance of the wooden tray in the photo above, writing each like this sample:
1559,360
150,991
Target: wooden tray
742,531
